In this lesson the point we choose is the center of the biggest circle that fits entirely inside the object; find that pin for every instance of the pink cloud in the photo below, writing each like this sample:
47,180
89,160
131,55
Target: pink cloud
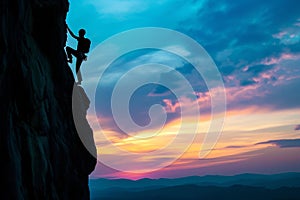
289,35
282,57
280,35
170,107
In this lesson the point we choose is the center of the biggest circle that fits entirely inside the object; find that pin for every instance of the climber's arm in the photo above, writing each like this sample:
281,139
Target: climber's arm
71,33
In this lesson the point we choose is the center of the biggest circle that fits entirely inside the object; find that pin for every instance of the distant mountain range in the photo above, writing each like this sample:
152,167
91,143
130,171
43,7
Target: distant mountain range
243,186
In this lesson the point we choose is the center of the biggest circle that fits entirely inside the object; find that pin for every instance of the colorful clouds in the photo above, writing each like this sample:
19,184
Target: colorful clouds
256,47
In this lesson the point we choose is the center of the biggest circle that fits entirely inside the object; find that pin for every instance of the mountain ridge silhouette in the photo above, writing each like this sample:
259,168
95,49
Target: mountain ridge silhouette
264,186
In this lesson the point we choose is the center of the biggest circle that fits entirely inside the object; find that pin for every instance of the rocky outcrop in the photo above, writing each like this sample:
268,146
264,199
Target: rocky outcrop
42,156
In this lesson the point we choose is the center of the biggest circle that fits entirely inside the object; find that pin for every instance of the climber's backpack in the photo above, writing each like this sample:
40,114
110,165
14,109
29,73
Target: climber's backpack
86,45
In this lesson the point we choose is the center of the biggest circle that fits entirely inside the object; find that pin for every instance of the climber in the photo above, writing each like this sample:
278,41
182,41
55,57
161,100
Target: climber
83,47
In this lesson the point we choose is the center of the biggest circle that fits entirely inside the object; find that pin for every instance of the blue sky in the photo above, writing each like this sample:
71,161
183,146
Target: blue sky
235,34
254,44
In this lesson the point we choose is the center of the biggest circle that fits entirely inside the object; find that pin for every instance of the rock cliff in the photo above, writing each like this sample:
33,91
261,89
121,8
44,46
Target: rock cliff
42,156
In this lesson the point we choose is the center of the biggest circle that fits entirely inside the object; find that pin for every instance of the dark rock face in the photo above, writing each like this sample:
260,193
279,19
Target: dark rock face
42,156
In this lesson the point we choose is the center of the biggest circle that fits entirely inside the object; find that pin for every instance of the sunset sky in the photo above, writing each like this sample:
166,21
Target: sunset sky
255,46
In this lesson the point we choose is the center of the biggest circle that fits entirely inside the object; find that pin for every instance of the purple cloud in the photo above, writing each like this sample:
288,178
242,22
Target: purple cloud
297,128
288,143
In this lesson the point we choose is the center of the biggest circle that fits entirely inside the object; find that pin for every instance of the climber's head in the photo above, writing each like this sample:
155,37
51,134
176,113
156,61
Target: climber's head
81,33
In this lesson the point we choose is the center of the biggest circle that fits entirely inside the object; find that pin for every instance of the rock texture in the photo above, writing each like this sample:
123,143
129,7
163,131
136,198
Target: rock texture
42,156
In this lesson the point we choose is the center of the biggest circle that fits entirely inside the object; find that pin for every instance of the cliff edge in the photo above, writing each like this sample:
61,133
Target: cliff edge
42,156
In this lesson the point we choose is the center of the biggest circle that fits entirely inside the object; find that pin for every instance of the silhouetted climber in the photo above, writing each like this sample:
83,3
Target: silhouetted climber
83,47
